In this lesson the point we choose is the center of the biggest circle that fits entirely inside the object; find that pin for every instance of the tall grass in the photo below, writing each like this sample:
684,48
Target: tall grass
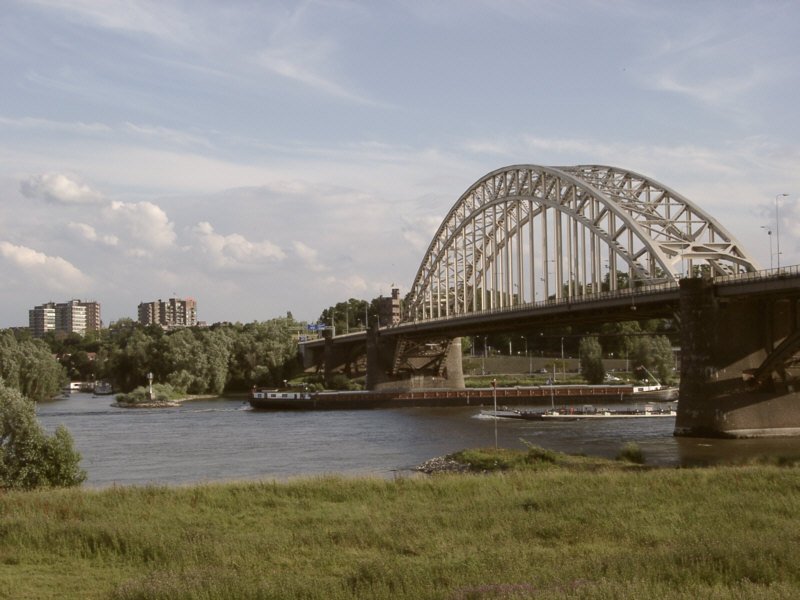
543,532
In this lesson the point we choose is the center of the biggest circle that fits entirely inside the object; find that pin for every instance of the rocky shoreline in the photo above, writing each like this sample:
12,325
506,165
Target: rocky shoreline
442,464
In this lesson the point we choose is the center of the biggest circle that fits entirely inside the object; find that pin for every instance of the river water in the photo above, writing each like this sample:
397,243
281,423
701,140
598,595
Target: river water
223,439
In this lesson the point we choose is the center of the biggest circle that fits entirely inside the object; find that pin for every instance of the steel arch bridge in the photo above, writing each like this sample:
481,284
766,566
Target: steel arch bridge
528,233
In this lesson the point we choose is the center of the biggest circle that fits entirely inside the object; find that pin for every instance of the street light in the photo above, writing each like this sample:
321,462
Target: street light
530,359
778,229
769,233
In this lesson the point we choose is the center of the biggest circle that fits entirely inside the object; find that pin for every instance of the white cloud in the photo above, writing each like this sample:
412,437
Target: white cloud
152,18
234,250
50,125
418,231
47,271
60,189
350,284
146,226
158,134
89,233
309,256
287,62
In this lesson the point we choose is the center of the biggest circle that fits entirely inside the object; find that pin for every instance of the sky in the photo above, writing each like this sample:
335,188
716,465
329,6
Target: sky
263,157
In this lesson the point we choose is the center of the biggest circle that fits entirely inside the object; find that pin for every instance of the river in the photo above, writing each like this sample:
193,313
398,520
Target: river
223,439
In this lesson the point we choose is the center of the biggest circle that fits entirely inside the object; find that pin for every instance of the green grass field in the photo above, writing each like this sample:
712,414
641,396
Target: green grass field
548,526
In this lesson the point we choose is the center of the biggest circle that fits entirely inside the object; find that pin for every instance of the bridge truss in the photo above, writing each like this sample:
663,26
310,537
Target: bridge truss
527,233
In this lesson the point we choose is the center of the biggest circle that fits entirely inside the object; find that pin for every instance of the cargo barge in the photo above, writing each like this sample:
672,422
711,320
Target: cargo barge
273,399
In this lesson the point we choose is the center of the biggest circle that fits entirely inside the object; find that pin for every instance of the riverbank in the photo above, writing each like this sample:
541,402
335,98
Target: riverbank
545,529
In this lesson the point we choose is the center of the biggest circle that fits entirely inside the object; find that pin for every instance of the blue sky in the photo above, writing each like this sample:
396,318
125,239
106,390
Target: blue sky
264,157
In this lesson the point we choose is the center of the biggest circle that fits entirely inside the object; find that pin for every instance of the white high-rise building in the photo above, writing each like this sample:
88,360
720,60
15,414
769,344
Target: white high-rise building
42,319
73,316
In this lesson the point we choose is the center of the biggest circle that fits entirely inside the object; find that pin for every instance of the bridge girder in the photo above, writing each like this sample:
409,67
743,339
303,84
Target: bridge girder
526,233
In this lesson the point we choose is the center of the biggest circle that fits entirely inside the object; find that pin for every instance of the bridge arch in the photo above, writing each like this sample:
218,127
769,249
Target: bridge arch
528,233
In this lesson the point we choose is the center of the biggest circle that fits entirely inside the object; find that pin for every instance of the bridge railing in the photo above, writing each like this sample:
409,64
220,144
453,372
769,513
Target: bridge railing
636,292
639,291
633,293
764,274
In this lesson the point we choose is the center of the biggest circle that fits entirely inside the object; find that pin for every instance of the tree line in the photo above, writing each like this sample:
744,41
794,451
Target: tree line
223,357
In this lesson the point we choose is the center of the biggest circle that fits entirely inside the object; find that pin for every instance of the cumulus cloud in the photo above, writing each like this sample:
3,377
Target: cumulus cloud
348,284
308,255
89,233
418,232
234,250
145,225
49,271
60,189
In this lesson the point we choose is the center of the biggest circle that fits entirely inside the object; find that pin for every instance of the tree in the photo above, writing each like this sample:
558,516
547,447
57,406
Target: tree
29,366
654,354
29,458
131,360
591,356
350,315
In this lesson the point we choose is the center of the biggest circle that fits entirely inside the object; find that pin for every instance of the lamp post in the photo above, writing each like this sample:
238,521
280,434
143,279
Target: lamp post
530,360
778,229
494,397
563,366
769,233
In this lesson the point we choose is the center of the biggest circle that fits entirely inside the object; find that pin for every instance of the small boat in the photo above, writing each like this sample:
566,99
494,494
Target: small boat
103,388
654,393
72,386
504,413
281,399
587,411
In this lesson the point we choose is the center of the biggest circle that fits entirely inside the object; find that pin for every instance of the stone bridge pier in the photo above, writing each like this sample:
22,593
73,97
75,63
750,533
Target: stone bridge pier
399,363
740,361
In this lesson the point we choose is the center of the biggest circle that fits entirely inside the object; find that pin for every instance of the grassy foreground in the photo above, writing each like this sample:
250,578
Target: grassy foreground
548,527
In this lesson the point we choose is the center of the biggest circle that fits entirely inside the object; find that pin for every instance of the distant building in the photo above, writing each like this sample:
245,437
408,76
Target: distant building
73,316
389,309
42,319
170,314
94,322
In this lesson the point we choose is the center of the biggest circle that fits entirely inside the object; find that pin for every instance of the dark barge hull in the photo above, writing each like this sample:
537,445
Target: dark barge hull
469,397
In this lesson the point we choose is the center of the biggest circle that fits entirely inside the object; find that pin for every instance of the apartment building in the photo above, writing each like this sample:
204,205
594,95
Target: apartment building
74,316
170,314
42,319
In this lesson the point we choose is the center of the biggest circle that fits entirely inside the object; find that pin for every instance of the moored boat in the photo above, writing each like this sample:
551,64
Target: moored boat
587,411
103,388
504,413
281,399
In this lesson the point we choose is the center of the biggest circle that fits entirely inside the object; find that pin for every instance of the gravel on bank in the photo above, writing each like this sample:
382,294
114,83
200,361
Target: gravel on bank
442,464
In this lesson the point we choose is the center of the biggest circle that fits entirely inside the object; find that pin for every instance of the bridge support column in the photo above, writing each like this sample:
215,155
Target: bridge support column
401,365
327,360
737,357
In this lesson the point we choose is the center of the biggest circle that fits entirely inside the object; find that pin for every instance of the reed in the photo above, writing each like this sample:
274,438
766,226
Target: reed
547,528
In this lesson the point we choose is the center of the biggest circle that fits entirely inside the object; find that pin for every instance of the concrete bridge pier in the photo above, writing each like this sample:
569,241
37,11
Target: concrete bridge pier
397,363
739,363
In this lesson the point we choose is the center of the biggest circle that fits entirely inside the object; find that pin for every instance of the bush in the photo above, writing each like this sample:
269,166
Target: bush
29,458
341,382
162,392
631,452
